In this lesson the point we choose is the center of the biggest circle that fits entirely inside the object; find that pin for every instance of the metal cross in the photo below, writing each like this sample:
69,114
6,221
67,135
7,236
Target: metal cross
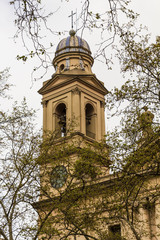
72,18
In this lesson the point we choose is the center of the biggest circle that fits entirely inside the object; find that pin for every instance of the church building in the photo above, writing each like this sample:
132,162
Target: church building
80,199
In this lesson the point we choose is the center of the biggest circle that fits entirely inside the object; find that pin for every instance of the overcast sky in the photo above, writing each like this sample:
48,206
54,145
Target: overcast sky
21,73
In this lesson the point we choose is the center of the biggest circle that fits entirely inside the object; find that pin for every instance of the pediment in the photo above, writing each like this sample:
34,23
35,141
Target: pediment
61,80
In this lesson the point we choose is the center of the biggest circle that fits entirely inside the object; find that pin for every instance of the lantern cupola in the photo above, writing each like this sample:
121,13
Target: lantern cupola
73,53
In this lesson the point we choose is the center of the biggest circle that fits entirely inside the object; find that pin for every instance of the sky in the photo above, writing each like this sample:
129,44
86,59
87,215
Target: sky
21,72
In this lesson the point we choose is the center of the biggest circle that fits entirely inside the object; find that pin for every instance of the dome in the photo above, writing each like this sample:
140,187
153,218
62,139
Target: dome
72,43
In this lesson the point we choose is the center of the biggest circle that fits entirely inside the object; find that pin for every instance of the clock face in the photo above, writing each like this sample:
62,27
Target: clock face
58,176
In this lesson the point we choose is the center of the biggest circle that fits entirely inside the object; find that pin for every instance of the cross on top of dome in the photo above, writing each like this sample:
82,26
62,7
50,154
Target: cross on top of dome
73,52
72,18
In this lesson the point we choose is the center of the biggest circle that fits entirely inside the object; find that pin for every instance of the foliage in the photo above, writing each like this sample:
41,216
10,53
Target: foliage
91,200
19,173
141,59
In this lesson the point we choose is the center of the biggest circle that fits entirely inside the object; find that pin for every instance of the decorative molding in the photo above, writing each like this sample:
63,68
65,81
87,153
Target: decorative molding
102,104
76,91
44,103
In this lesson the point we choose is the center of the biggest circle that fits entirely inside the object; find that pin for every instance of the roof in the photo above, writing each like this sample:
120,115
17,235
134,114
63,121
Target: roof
72,43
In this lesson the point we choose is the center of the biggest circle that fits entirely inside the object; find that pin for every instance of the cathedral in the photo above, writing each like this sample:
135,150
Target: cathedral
80,197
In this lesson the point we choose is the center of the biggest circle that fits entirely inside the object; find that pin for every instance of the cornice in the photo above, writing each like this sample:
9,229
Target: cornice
73,78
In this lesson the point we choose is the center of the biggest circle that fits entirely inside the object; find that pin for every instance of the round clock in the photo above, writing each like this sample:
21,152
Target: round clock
58,176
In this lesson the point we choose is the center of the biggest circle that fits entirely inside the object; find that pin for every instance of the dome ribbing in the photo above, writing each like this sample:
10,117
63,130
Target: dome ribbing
72,43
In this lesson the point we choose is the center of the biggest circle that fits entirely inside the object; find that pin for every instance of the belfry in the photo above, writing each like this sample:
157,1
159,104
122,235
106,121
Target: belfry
74,96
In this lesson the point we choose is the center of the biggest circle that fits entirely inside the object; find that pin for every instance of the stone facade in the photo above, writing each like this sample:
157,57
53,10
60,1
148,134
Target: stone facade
73,108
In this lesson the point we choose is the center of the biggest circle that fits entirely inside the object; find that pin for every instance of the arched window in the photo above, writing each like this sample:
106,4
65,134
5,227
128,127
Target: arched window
90,121
60,114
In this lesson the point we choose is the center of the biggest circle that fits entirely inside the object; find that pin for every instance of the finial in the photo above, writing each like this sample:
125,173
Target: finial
72,32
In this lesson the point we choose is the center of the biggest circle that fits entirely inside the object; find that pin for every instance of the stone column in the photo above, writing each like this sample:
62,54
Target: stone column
44,103
76,109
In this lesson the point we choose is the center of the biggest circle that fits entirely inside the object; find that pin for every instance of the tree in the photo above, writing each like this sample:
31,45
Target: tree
137,152
138,156
19,173
140,59
19,181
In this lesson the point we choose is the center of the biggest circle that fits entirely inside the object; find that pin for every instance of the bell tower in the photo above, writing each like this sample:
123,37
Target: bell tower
74,98
73,112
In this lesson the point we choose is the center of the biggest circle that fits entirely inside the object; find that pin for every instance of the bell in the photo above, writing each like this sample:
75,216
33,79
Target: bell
62,121
88,120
